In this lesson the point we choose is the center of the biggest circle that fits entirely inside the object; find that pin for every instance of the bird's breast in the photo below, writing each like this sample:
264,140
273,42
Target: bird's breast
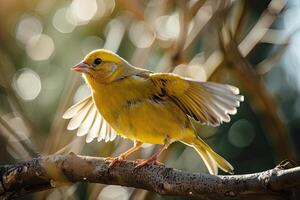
134,111
111,99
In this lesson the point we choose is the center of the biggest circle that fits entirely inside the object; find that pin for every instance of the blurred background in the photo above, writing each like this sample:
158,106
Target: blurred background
252,44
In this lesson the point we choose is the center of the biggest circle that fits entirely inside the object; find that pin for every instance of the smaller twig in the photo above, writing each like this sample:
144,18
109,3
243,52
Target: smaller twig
240,20
196,6
23,147
202,17
261,27
267,64
180,42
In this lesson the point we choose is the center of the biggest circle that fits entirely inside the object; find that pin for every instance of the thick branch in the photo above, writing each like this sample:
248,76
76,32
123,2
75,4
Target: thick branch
56,170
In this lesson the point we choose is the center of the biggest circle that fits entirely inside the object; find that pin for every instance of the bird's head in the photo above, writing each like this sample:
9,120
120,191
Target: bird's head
102,66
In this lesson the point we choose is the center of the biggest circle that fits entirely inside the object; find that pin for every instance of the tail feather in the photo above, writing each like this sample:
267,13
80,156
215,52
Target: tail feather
208,160
211,159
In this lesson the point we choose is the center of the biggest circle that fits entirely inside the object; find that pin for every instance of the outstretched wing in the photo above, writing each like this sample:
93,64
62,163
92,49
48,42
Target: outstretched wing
85,117
207,102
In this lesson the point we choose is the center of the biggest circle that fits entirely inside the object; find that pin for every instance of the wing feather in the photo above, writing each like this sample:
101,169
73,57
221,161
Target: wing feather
86,118
102,133
73,110
93,133
207,102
76,121
87,123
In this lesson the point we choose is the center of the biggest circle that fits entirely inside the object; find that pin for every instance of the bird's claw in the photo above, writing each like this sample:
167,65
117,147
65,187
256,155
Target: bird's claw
114,161
142,162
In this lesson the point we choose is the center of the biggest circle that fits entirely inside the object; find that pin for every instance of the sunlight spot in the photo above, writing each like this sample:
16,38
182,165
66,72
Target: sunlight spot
113,192
60,21
27,28
241,134
114,33
141,34
168,26
40,47
27,84
83,10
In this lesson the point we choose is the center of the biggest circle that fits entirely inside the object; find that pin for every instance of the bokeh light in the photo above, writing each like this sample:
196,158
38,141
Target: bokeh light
241,134
105,7
28,27
113,192
141,35
60,21
83,11
114,32
27,84
40,47
167,27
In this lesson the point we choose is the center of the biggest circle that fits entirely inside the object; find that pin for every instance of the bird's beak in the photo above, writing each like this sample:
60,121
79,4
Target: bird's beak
81,67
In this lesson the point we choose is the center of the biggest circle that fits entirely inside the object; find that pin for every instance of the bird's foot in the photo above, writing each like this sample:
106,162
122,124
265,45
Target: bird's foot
142,162
114,160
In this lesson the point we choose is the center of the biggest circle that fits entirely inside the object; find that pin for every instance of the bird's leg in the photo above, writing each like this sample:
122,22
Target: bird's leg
153,158
124,155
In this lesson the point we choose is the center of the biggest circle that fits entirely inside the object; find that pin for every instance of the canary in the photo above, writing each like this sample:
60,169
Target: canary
147,107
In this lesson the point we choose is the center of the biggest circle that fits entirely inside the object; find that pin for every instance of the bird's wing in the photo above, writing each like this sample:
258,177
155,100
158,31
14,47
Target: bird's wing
207,102
85,117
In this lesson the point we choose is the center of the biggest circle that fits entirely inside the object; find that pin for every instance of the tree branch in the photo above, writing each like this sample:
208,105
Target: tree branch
56,170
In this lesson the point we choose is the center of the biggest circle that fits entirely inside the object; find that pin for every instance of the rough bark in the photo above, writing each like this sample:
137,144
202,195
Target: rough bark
56,170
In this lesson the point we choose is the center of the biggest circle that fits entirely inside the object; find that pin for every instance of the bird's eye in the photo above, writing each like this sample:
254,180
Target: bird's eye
97,61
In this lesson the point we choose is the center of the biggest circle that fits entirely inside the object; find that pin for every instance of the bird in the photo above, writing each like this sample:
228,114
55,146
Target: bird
148,107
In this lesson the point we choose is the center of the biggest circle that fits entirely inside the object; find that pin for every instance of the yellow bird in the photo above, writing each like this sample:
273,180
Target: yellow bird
147,107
